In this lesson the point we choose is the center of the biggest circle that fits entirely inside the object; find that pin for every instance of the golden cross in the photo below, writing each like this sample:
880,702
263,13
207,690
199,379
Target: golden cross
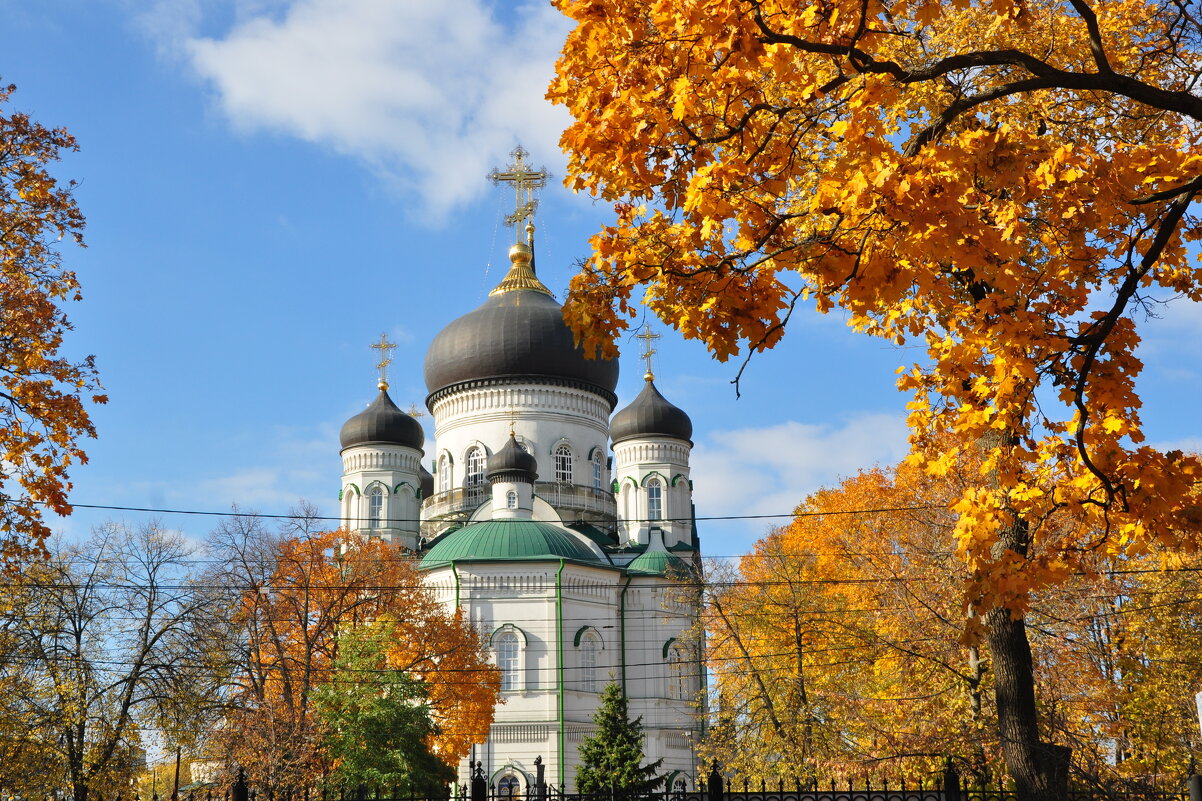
525,181
648,338
385,347
413,411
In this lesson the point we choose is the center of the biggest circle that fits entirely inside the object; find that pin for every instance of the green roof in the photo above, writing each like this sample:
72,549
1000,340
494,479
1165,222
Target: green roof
657,563
593,533
509,541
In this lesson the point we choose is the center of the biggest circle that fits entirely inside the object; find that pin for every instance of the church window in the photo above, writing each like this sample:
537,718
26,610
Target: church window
375,507
678,679
509,787
563,463
590,648
444,473
655,499
597,468
507,660
511,500
474,474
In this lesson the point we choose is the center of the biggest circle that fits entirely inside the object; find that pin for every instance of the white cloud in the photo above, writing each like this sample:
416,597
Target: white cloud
769,470
431,95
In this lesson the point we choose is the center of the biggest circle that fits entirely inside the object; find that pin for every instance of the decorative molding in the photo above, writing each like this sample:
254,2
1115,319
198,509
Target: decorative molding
475,403
651,475
584,630
451,392
509,627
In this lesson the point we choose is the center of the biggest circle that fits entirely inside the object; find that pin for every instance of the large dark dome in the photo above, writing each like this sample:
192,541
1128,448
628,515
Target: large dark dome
650,415
517,334
382,423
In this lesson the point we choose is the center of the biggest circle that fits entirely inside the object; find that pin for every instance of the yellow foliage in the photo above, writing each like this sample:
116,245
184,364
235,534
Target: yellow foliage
42,413
999,180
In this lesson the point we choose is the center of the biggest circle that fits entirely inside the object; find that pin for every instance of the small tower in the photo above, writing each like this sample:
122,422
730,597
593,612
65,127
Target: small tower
382,481
652,442
512,473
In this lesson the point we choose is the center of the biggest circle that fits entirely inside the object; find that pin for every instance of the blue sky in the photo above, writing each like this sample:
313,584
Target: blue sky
269,184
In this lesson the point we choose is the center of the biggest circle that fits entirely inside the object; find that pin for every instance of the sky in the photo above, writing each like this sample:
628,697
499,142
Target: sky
270,184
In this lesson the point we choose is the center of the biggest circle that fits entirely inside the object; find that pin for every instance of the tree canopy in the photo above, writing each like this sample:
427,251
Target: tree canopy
1010,183
836,651
42,391
291,602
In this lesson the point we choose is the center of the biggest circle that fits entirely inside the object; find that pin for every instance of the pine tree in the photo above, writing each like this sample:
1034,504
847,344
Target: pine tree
610,759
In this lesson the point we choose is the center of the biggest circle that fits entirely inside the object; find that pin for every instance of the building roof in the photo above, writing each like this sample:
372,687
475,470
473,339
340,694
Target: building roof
657,563
382,423
650,415
518,334
510,541
512,462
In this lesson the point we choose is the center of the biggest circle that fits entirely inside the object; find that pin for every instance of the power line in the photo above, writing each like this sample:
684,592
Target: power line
277,516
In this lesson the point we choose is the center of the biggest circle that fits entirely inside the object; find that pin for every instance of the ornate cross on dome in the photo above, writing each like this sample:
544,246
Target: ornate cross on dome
525,181
649,351
385,347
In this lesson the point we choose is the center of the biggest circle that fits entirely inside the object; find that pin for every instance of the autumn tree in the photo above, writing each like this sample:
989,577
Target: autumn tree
836,649
42,391
835,645
101,635
611,758
1010,183
292,598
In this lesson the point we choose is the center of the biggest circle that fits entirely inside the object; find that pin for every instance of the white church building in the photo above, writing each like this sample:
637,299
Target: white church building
573,562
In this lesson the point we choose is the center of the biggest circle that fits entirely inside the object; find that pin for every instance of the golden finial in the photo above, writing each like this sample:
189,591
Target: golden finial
385,347
525,181
521,273
649,351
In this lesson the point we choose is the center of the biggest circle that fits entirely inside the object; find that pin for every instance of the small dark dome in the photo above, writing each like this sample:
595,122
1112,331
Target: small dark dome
512,462
427,481
650,415
384,424
517,334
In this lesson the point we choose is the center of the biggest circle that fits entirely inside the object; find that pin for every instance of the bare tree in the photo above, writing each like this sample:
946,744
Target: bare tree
102,638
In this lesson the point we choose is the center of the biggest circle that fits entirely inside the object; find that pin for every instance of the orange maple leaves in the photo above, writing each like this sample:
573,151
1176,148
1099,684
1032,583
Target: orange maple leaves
42,413
1004,182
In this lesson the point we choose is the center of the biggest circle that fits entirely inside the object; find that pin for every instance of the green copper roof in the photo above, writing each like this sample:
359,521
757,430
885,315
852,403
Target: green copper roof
509,541
657,563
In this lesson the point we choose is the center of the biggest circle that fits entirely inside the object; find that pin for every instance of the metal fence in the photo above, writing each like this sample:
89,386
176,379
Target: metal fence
948,787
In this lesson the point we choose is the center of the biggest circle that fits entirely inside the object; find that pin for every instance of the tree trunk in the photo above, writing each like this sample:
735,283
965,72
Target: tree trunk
1039,770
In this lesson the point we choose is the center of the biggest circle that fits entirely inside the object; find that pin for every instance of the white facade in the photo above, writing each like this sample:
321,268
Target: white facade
588,587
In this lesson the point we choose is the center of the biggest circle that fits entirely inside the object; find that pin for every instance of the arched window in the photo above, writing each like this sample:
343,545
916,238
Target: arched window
509,787
678,679
507,660
511,500
474,468
444,473
375,507
597,465
655,499
590,650
563,463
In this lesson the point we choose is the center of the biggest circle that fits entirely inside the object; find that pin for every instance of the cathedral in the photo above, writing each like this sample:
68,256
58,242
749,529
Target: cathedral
571,561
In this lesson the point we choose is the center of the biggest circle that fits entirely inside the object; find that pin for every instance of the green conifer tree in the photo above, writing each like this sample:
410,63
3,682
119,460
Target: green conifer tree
611,758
